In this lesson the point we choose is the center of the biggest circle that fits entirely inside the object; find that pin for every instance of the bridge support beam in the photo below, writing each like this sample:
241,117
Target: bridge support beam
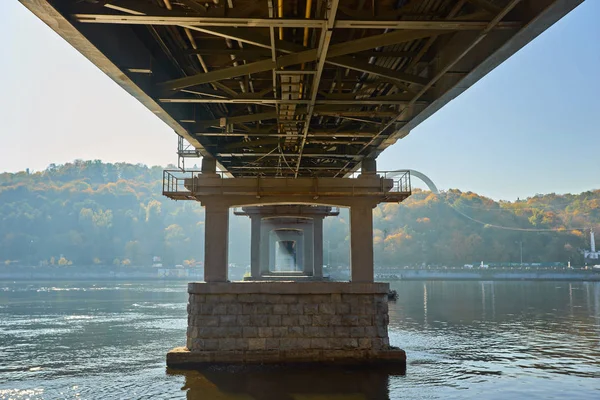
361,243
216,242
287,311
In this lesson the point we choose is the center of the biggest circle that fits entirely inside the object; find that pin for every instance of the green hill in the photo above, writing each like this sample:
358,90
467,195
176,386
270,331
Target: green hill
89,212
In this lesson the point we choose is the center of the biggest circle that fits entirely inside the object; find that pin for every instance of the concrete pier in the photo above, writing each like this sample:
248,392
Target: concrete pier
286,322
287,311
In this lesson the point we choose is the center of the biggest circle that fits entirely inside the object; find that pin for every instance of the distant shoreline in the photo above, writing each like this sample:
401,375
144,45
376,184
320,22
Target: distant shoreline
76,273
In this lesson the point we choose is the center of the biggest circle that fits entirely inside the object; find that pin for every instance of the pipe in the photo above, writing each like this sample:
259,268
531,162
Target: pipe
280,15
307,16
168,4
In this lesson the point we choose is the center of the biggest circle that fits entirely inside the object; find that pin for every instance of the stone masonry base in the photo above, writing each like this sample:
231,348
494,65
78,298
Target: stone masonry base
286,322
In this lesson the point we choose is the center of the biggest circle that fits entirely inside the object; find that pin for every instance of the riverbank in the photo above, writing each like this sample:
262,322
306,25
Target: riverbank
237,273
490,275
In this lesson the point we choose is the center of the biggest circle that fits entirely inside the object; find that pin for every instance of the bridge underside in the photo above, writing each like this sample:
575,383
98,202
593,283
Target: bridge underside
286,96
296,88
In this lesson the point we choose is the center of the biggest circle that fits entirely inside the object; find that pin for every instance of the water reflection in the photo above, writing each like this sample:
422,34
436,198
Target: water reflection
288,383
473,340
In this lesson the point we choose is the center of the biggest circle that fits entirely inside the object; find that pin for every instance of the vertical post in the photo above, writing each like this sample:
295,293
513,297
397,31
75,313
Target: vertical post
255,248
300,245
318,246
361,243
216,242
265,244
308,249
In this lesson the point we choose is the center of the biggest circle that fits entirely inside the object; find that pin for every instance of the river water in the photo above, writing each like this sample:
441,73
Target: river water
495,340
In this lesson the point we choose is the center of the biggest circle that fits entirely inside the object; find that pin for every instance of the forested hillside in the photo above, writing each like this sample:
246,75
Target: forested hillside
89,212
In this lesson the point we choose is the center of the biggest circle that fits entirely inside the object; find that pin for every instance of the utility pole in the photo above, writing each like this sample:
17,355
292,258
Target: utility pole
521,246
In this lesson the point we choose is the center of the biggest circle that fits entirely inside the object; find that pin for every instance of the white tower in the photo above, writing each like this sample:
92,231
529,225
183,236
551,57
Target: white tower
592,241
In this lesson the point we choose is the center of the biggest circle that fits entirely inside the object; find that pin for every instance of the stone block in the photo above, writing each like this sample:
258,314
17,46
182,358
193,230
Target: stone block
288,343
382,331
280,331
249,331
342,308
257,344
327,308
248,309
252,298
305,320
321,320
303,343
197,298
289,299
295,309
311,309
188,343
289,320
349,320
359,309
228,320
321,298
262,308
234,309
272,343
232,331
241,344
273,299
205,344
243,320
265,332
206,309
318,331
319,343
208,321
218,309
274,320
341,332
259,320
336,298
370,331
227,344
357,331
335,320
364,320
192,331
295,331
347,343
382,307
364,343
280,309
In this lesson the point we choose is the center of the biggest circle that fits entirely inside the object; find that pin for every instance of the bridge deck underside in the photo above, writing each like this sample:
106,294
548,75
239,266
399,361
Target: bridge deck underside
297,88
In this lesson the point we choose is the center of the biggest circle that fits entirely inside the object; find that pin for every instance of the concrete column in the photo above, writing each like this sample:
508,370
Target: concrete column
368,166
209,165
216,242
361,243
255,248
308,267
301,243
273,243
265,243
318,246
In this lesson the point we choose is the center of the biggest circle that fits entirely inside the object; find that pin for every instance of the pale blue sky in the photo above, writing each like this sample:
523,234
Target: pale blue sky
530,126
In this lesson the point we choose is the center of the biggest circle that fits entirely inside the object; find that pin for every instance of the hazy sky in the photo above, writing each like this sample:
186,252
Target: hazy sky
530,126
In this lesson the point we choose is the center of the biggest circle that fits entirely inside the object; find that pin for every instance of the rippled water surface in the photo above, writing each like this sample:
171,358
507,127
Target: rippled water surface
108,340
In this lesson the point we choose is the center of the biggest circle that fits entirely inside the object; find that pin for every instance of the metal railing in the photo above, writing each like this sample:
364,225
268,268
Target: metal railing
181,185
400,179
174,181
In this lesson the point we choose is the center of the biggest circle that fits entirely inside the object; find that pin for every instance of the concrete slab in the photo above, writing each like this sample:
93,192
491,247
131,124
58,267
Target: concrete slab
181,357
